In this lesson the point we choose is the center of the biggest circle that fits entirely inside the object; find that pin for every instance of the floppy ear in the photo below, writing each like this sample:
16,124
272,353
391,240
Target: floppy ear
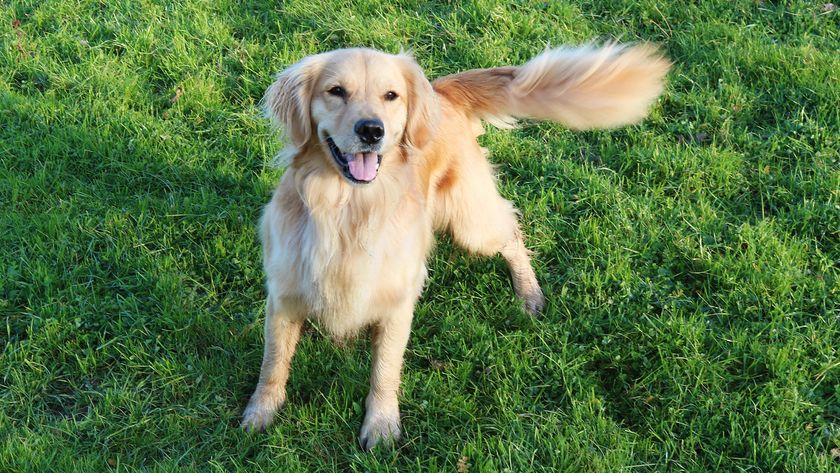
287,100
423,106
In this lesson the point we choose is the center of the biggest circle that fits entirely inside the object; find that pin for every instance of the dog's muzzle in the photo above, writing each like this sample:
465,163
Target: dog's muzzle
358,168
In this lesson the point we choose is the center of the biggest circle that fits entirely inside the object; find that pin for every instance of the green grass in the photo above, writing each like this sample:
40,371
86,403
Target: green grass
691,263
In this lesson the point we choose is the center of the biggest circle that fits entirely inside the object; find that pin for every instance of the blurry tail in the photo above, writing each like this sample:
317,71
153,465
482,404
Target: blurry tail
581,88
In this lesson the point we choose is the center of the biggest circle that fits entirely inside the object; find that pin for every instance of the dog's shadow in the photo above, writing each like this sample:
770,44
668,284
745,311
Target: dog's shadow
150,238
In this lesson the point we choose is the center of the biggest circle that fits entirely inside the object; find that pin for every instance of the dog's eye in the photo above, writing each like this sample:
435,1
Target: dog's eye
338,91
391,95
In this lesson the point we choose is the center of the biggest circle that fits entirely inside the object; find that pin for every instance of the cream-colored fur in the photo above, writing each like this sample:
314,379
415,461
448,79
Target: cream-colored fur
352,255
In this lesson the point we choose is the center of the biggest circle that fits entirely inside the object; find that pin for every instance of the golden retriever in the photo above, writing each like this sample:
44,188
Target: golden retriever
379,158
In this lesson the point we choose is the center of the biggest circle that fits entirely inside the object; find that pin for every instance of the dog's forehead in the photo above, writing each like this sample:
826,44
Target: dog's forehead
359,68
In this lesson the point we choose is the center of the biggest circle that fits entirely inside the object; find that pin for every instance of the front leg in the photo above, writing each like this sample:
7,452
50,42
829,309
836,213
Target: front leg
282,332
382,410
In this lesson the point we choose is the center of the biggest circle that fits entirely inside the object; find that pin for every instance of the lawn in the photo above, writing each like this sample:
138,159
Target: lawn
691,263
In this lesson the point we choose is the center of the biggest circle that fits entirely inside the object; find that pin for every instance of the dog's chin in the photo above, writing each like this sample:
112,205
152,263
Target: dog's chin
360,167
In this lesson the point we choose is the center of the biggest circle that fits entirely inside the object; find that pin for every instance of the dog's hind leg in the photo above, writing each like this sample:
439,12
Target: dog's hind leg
281,336
483,222
522,273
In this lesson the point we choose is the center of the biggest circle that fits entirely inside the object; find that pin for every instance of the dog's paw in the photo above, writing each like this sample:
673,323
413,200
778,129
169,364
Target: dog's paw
534,302
379,430
259,415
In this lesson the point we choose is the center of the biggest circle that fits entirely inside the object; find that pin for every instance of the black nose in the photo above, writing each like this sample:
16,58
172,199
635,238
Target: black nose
370,131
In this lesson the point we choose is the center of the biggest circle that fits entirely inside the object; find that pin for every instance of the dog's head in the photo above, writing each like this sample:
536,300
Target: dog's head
357,105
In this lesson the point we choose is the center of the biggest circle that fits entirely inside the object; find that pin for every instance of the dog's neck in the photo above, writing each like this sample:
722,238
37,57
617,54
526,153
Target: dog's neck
351,214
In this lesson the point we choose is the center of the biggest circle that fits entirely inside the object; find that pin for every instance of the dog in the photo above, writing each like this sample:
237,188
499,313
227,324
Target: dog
378,159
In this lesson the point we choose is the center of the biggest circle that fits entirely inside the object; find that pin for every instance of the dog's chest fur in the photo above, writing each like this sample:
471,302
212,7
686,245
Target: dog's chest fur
349,257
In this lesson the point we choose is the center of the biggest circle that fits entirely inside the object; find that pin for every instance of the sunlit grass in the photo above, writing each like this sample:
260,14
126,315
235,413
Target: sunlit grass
690,262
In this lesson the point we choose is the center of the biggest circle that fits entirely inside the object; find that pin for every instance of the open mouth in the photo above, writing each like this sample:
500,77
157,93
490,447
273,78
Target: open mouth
358,168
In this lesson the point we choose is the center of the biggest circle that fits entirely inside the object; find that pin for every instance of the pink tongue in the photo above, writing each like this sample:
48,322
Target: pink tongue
363,166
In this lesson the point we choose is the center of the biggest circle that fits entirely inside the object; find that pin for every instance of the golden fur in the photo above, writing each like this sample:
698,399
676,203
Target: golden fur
352,255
